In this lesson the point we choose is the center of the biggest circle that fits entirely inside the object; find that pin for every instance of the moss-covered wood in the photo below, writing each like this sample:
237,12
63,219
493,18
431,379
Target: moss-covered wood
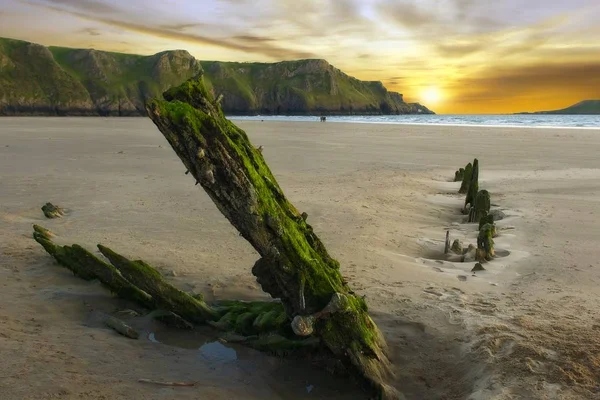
485,243
488,219
134,280
473,185
164,294
459,175
121,327
43,232
294,266
52,211
481,206
466,179
89,267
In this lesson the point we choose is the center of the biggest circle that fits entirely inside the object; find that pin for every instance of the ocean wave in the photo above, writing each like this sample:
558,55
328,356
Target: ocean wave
514,121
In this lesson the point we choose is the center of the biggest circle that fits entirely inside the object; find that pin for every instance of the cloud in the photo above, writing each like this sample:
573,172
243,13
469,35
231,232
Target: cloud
502,42
231,43
253,39
534,81
180,27
459,50
408,15
85,5
91,31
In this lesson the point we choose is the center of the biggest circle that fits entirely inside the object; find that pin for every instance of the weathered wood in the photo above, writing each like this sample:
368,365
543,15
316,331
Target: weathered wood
466,180
480,207
43,232
89,267
448,244
473,185
485,243
459,175
125,278
121,327
488,219
294,265
164,294
52,211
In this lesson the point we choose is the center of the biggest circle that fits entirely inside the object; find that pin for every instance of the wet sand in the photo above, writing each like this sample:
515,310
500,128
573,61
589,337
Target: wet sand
379,197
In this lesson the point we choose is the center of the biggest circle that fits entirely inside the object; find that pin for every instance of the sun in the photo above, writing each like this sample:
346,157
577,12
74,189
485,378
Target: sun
431,95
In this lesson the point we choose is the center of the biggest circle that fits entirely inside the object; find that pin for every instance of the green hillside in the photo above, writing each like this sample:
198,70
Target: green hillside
299,87
38,80
53,80
584,107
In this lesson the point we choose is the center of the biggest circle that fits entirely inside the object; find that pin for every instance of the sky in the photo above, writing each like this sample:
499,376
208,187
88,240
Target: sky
454,56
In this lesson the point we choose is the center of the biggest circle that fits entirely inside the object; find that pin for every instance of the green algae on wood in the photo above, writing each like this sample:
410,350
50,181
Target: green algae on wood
43,232
485,243
89,267
52,211
466,180
164,294
480,207
488,219
295,266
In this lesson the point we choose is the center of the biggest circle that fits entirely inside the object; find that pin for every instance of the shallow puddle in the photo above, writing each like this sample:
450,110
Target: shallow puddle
283,378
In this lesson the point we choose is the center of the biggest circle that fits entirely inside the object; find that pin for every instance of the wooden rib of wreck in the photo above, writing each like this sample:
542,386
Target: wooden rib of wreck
295,266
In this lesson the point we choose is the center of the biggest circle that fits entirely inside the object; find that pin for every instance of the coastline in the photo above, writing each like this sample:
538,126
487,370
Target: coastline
331,119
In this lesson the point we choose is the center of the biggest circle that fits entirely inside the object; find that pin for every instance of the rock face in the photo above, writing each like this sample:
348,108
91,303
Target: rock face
38,80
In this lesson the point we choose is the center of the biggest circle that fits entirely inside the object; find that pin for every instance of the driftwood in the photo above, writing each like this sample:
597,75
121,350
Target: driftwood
294,266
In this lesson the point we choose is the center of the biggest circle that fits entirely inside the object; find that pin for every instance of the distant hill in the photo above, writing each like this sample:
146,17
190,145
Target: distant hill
38,80
583,107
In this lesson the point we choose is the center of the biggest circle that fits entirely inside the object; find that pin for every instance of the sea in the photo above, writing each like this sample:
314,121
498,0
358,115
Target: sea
517,120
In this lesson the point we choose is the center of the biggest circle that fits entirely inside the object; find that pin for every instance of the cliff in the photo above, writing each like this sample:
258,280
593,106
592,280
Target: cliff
38,80
299,87
583,107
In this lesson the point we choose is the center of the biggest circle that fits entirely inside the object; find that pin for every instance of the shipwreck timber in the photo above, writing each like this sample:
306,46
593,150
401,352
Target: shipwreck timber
314,308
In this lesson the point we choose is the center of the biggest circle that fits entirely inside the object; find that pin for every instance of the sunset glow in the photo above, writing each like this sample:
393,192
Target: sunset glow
431,96
484,56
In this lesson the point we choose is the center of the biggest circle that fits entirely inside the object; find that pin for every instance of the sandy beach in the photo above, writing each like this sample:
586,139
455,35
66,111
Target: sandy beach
381,199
